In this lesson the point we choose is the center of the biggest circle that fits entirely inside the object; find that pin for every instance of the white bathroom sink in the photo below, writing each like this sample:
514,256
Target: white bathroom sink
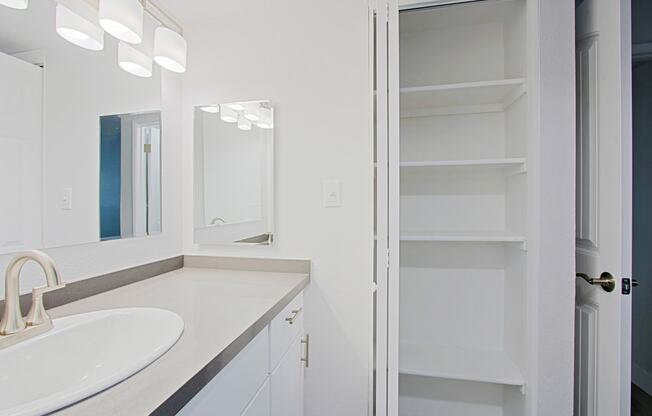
82,355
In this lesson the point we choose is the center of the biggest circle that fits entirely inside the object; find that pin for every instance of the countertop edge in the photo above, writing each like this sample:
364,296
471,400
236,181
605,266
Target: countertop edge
185,393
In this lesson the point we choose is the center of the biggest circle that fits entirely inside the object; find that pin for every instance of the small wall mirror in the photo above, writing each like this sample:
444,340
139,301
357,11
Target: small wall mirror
234,173
130,175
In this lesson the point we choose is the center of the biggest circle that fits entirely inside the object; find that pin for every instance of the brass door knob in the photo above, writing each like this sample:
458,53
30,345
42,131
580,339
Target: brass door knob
606,280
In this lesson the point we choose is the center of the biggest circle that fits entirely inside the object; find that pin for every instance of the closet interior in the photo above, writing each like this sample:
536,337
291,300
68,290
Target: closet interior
463,209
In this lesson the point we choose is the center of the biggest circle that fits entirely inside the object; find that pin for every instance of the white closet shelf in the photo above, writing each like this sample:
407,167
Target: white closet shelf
518,164
457,363
462,236
493,95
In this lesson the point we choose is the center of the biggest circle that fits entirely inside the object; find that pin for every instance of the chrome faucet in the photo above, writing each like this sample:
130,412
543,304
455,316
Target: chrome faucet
13,327
218,221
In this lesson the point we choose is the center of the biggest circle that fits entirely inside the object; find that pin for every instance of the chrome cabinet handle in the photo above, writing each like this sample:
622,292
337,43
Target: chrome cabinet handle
306,341
294,315
606,281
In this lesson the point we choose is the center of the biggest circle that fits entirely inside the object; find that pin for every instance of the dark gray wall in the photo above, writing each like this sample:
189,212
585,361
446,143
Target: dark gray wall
642,255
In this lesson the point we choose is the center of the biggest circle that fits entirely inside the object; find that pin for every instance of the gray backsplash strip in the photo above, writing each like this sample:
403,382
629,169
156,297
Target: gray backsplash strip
103,283
88,287
249,263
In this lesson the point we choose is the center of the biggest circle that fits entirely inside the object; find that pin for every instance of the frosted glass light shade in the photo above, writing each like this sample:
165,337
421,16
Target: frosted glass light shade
266,118
228,115
170,49
123,19
243,123
134,61
251,113
211,109
15,4
80,26
236,106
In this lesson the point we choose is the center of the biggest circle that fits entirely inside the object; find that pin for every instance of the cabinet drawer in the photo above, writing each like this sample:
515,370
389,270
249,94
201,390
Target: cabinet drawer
229,392
285,327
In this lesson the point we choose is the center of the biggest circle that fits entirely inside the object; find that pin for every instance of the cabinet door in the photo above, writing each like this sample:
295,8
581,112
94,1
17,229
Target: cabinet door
287,383
228,393
259,406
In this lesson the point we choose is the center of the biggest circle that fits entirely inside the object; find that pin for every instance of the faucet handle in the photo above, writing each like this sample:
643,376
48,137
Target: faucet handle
37,314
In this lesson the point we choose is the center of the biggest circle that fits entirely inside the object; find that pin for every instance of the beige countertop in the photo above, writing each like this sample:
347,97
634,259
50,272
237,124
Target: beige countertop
222,310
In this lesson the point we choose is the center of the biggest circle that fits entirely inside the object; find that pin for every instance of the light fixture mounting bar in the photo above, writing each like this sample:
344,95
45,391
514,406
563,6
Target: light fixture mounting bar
158,14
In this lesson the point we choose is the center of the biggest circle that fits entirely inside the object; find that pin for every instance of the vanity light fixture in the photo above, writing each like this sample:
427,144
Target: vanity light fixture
243,123
211,109
170,49
15,4
134,61
228,115
123,19
76,22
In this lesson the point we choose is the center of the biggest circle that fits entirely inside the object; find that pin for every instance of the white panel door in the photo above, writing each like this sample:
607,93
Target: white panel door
603,215
287,383
21,120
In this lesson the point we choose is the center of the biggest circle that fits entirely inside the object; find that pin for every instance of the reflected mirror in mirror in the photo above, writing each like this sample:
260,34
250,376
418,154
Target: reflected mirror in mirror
130,175
234,173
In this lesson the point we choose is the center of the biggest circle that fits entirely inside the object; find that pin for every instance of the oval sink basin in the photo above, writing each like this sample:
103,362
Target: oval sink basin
82,355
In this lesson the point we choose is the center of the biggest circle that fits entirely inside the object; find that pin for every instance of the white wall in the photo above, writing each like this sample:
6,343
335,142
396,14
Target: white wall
87,260
311,59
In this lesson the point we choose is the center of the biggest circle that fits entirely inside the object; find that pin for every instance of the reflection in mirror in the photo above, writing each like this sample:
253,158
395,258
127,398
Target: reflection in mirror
130,175
234,173
53,96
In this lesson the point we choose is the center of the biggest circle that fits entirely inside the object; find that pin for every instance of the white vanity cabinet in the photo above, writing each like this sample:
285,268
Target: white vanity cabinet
265,378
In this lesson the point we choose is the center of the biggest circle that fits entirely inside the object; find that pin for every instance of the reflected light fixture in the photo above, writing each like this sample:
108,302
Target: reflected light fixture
211,109
76,22
134,61
251,114
15,4
170,49
228,115
236,106
266,118
243,123
123,19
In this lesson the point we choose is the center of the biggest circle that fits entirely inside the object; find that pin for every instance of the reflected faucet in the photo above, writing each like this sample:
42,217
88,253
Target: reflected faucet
13,327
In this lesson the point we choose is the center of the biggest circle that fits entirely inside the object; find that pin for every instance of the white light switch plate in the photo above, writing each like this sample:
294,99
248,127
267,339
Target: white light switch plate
332,194
66,198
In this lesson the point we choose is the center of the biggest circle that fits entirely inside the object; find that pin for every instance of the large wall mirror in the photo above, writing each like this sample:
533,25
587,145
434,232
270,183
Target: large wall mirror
80,138
234,173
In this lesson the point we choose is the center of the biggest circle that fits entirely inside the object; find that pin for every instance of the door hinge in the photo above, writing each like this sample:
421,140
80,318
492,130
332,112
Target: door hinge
387,258
147,148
